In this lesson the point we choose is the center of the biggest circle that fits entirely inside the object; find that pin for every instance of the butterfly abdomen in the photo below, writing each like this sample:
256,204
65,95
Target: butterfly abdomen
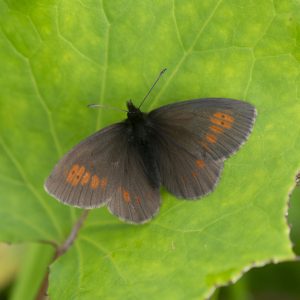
139,134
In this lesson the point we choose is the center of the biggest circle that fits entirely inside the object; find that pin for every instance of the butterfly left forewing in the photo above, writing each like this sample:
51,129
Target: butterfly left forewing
106,169
85,176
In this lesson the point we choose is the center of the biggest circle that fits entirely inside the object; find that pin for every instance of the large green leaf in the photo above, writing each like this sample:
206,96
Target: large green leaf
58,56
36,258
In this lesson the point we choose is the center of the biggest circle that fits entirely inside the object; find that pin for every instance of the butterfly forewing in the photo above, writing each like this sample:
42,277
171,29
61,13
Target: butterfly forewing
216,127
84,177
194,137
105,169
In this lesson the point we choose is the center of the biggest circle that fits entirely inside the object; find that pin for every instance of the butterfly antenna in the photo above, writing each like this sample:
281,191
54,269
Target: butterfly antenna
105,106
153,85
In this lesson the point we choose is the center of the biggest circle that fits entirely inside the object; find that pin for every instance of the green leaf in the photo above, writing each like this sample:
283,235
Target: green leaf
36,258
59,56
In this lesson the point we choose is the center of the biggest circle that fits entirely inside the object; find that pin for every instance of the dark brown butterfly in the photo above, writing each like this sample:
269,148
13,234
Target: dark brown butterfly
181,146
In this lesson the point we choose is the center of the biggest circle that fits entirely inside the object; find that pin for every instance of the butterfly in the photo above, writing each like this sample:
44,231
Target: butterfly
181,146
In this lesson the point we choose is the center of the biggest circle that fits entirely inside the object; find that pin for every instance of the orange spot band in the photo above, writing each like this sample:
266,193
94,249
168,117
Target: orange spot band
216,129
221,123
85,179
71,175
95,182
224,117
75,175
103,183
126,196
200,163
211,138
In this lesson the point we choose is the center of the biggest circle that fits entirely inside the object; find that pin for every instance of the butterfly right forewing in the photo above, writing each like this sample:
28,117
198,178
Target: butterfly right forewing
217,126
194,137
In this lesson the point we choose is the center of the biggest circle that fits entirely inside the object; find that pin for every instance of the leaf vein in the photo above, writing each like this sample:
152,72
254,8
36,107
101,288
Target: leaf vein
185,55
107,255
31,187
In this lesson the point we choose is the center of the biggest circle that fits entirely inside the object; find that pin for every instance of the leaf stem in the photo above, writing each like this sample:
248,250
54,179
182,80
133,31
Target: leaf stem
60,250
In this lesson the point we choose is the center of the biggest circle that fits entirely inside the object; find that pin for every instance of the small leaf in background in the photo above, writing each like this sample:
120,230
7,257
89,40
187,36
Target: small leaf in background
59,56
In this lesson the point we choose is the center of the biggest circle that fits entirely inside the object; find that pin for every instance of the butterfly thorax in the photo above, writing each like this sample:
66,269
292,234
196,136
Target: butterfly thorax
140,136
138,126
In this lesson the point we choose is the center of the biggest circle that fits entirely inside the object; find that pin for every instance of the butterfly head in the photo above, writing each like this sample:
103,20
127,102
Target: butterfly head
133,111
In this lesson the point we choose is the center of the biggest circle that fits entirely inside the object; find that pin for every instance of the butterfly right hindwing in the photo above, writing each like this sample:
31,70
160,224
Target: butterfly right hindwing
185,171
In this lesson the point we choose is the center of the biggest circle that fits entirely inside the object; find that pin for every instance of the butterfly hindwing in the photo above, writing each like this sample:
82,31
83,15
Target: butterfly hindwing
184,170
105,169
135,198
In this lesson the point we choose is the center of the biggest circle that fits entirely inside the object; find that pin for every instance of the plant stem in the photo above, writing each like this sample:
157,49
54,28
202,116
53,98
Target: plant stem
60,250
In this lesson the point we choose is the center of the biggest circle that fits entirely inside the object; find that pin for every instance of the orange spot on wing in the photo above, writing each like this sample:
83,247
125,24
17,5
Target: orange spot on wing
194,174
71,175
216,129
204,145
95,182
76,177
221,123
211,138
85,179
126,196
103,183
138,199
200,163
225,117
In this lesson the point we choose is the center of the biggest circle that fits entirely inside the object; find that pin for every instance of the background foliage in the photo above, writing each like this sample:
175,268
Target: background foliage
59,56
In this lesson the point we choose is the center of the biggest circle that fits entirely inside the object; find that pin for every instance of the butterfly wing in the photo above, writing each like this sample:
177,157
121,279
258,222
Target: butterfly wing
219,126
105,169
184,170
194,138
